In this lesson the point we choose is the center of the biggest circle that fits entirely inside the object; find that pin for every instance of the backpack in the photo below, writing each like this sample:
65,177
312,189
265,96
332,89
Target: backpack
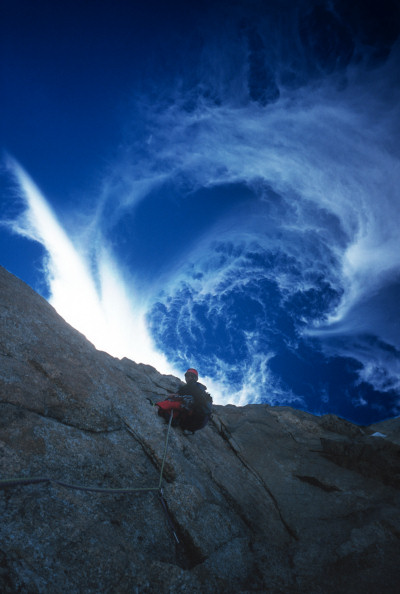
199,416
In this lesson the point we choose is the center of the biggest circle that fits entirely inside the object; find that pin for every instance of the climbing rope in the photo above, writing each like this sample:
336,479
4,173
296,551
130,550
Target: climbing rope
165,509
23,481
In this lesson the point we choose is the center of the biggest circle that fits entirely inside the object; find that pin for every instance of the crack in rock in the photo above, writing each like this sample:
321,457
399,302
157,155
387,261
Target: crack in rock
312,480
224,432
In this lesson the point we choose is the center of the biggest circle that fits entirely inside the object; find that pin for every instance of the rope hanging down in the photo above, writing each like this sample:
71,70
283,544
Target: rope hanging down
15,482
22,481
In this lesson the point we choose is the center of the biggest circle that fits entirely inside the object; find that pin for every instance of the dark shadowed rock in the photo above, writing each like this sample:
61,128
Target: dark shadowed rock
264,499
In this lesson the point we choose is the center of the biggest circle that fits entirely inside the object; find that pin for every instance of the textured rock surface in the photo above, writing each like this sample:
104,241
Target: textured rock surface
264,499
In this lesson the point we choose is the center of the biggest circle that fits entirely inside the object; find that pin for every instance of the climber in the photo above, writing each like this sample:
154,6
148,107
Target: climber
191,405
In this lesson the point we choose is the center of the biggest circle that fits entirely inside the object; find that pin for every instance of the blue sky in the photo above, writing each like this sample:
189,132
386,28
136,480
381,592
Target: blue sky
213,185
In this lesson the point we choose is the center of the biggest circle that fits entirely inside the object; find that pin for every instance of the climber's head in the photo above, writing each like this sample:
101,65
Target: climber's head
191,375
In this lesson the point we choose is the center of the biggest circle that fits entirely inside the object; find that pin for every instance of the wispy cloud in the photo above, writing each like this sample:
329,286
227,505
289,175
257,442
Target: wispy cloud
329,155
322,165
90,294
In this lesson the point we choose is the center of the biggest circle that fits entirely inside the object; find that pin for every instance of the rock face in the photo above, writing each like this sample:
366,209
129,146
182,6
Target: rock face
264,499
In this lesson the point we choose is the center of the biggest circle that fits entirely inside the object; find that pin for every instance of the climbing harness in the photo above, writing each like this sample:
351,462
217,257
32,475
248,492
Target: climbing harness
23,481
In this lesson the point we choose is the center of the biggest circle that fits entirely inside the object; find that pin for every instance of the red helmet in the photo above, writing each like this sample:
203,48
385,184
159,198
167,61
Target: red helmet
190,370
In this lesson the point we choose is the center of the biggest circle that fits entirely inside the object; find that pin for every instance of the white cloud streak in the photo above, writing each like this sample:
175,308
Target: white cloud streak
98,304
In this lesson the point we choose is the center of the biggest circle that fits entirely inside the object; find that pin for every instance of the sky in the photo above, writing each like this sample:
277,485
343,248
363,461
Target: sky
213,185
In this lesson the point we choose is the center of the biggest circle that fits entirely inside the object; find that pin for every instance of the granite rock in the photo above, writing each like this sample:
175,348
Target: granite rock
264,499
